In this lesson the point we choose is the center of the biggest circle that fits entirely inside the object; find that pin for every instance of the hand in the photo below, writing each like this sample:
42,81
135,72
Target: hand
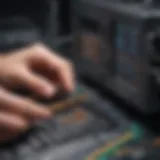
37,69
40,71
17,114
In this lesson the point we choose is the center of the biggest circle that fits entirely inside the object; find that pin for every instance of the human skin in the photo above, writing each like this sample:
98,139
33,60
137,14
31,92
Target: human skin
40,71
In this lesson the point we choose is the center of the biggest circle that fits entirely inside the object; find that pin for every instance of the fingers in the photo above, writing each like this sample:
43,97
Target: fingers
12,122
17,114
11,126
55,64
64,73
36,83
26,64
21,106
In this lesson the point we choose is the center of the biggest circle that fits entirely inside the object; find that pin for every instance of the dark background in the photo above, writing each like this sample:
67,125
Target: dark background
51,16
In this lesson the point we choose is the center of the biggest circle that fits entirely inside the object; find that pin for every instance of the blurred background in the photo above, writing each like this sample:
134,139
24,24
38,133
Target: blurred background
51,18
115,47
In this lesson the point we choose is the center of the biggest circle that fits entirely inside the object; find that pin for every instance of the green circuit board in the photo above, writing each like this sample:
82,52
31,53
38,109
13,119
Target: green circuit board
135,133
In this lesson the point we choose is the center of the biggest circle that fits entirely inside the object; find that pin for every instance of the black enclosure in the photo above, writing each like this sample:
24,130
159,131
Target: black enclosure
117,39
50,17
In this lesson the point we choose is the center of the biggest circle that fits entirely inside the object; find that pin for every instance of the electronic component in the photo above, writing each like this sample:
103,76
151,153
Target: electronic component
108,149
94,147
145,149
133,53
57,107
126,37
89,28
86,126
75,131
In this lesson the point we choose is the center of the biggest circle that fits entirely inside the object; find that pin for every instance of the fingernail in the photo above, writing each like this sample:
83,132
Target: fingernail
49,91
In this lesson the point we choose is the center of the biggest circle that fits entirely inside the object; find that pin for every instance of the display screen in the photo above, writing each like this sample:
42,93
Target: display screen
126,48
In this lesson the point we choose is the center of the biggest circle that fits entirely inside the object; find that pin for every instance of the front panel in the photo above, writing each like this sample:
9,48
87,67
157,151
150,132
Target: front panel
92,42
135,33
115,41
128,61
